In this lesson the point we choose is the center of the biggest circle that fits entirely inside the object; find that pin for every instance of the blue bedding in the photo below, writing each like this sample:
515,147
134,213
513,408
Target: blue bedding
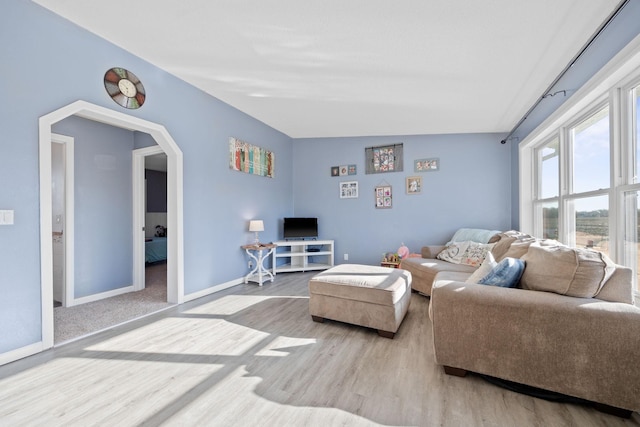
156,249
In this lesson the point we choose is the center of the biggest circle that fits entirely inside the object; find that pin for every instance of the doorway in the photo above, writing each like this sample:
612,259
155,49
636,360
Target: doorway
62,196
144,230
175,259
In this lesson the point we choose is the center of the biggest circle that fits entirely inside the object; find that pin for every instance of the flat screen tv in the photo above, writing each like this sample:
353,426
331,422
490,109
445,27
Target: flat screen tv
300,228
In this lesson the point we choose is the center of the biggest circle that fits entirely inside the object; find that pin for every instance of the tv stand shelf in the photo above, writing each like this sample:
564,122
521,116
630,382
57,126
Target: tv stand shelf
298,254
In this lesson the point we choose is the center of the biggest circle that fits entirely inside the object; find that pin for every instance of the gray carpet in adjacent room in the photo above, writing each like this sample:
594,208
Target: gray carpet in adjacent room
80,320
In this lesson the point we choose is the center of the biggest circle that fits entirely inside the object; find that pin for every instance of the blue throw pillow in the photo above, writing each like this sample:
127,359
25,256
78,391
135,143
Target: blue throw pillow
506,274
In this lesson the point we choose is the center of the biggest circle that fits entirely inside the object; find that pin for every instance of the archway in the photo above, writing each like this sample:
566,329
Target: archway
175,248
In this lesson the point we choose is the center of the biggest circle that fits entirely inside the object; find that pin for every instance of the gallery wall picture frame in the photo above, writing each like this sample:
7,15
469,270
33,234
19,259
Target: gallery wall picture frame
349,190
344,170
251,159
383,197
413,185
384,158
426,165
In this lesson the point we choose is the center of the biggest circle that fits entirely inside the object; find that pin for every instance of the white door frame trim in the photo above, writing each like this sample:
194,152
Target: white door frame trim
139,220
69,219
175,247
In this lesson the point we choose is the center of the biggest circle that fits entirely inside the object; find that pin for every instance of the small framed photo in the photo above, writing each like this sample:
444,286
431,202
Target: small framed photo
344,170
335,170
426,165
352,170
349,190
414,185
384,197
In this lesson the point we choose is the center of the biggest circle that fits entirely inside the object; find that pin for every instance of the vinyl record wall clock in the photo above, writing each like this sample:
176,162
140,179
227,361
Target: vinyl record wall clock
124,87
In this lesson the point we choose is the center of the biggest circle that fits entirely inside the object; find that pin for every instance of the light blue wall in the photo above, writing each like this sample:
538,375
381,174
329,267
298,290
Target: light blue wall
103,205
50,63
143,140
472,189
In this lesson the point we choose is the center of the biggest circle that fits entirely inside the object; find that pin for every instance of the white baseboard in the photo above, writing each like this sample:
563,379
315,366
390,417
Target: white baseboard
213,289
20,353
103,295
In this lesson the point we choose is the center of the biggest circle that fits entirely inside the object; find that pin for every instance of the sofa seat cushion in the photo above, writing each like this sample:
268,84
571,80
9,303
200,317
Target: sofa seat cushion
424,271
373,284
566,271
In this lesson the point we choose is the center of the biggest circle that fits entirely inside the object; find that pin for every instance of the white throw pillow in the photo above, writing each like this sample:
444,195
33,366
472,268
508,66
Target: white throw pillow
487,265
454,252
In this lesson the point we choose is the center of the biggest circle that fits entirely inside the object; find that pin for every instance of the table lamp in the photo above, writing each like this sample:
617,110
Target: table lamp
256,225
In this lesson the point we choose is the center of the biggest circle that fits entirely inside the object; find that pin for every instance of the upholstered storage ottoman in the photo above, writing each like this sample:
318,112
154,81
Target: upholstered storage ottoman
365,295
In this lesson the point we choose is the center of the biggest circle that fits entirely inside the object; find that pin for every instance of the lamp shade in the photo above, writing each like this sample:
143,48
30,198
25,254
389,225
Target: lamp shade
256,225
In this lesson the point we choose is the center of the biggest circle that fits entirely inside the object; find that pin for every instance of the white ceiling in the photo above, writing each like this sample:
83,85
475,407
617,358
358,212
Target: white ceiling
324,68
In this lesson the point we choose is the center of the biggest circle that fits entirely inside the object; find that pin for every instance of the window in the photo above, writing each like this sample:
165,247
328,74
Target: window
550,220
589,223
548,158
635,131
580,173
630,249
579,215
590,143
631,193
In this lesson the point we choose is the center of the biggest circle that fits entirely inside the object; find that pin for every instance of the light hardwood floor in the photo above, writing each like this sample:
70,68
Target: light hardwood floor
251,356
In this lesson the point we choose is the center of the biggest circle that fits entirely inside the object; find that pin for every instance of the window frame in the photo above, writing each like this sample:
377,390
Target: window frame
612,85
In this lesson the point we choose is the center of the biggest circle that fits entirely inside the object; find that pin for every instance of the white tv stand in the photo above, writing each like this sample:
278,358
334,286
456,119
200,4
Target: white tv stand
298,254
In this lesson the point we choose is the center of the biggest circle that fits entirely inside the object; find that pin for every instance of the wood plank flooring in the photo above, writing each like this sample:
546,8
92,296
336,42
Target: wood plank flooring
252,356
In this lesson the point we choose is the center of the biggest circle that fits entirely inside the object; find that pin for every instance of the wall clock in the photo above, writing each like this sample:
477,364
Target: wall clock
124,87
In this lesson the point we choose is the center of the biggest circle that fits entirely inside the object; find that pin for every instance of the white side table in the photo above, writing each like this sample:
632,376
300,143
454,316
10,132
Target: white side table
259,274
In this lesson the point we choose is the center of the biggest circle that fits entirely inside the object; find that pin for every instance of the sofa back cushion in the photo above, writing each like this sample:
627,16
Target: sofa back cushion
566,271
619,287
512,244
478,235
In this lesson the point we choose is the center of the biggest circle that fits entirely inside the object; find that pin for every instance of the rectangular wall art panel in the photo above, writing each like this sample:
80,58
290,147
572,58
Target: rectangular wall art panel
385,158
248,158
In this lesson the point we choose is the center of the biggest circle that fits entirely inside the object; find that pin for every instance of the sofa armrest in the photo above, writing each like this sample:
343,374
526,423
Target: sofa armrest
582,347
430,252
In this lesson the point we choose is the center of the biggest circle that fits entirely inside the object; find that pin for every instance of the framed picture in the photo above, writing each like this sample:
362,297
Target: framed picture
414,185
384,197
352,169
344,170
349,190
385,158
335,170
249,158
426,165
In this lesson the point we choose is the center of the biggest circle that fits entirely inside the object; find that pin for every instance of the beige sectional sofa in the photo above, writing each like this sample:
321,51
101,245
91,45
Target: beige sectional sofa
540,333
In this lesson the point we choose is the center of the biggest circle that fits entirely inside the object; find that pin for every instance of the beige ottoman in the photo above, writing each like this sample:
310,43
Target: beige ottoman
365,295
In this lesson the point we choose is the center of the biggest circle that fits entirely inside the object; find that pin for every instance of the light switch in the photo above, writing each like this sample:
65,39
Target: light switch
6,217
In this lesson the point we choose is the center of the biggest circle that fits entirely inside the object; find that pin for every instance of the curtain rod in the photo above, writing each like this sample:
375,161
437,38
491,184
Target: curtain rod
600,29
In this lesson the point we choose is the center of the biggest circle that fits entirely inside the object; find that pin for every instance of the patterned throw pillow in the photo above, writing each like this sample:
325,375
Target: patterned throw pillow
468,253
